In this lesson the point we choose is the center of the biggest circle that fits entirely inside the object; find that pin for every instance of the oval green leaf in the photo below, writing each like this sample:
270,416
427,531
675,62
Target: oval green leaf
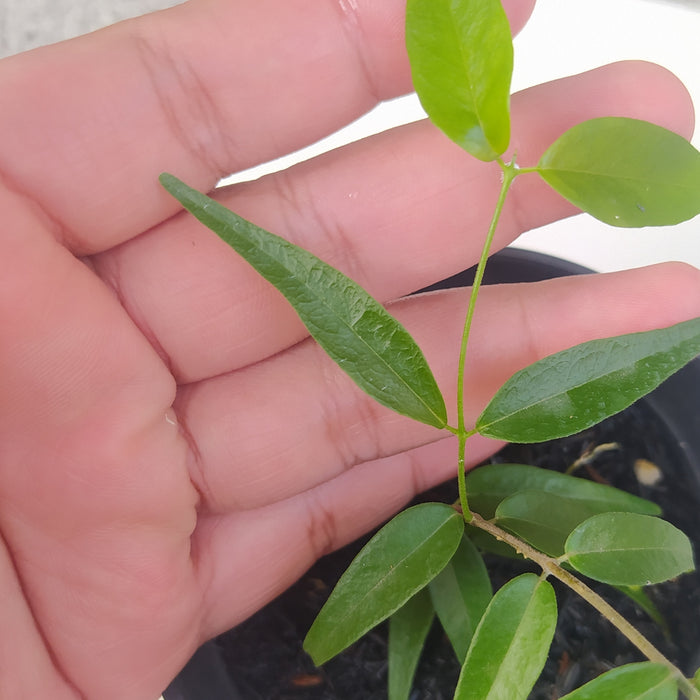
355,330
491,484
403,557
511,642
408,628
542,520
574,389
460,594
628,549
461,56
625,172
641,681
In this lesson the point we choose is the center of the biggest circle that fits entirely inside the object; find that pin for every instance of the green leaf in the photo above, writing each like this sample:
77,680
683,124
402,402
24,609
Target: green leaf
511,643
628,549
696,679
394,565
460,594
574,389
625,172
354,329
541,519
641,681
485,542
461,56
408,628
491,484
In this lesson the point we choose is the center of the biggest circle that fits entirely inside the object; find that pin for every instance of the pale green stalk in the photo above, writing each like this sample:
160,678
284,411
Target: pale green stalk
510,171
552,567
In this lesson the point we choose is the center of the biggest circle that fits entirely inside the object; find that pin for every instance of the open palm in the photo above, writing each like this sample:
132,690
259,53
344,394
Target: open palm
174,452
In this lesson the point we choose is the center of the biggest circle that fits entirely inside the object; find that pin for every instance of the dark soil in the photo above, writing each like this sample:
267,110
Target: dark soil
265,657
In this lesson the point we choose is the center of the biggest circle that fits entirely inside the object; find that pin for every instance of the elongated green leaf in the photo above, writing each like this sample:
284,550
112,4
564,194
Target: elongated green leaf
353,328
542,520
625,172
403,557
696,679
461,56
460,594
511,642
642,681
628,549
571,390
408,628
491,484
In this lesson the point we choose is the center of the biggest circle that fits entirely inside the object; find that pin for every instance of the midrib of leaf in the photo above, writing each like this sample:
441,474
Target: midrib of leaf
613,550
617,178
465,63
516,634
350,327
572,387
395,566
217,214
548,397
654,688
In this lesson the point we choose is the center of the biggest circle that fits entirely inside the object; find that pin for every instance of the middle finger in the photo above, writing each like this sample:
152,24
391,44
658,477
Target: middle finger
396,212
289,423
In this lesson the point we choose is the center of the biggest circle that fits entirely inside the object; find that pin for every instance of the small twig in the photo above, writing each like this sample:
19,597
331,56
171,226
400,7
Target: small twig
552,567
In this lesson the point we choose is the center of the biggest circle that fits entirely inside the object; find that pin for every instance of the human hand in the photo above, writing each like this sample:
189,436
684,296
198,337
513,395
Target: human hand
173,451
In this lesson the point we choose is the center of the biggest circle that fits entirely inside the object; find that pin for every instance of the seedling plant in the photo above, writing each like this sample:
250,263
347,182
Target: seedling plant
427,561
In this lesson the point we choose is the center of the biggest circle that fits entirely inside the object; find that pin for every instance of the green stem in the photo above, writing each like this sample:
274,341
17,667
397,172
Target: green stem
510,171
552,567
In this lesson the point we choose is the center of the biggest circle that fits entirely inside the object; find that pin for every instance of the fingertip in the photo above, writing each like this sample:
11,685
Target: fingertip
634,89
518,12
653,92
679,284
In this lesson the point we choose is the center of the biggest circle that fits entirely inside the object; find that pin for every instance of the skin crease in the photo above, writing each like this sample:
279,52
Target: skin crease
173,451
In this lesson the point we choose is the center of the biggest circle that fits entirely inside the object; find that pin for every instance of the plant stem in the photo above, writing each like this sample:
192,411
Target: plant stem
553,568
510,171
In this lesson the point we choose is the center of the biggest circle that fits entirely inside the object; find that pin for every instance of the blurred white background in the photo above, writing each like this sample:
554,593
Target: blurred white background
563,37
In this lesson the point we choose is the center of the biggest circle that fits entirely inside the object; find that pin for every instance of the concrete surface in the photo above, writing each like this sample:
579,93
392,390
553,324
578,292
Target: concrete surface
26,24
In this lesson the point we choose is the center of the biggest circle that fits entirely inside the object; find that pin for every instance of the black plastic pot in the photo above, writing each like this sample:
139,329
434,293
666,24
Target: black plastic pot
674,409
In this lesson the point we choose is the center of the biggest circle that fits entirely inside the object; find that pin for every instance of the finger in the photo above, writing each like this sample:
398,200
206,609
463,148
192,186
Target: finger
275,545
97,506
202,89
283,426
396,212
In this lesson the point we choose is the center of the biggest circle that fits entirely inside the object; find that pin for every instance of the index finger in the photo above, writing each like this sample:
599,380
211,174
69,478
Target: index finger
202,89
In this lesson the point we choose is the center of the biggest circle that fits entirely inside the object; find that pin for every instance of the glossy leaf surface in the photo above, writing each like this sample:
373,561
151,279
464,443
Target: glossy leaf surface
542,520
574,389
642,681
408,628
625,172
627,549
511,642
403,557
460,594
461,57
353,328
491,484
